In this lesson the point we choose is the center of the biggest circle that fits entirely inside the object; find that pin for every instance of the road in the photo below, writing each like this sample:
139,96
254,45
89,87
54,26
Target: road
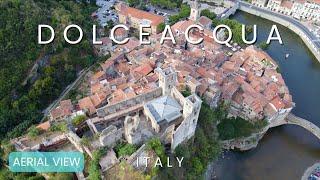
295,22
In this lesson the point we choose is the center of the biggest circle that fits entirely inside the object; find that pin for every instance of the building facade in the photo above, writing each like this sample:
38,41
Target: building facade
134,18
299,9
195,11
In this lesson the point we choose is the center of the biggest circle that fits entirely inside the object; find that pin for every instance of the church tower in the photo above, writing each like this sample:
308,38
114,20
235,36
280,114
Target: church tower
195,11
167,79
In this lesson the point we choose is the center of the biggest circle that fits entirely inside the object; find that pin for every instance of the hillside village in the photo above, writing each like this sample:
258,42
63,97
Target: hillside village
147,91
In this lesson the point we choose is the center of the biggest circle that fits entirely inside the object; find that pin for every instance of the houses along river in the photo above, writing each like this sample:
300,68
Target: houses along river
285,152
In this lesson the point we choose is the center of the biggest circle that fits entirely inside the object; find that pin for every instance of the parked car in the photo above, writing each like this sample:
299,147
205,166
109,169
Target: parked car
312,178
316,174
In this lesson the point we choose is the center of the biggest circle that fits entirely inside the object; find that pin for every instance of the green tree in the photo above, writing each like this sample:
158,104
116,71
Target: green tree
264,46
78,119
94,168
61,126
85,141
110,24
128,149
161,27
93,2
142,6
133,3
174,18
208,14
34,131
197,166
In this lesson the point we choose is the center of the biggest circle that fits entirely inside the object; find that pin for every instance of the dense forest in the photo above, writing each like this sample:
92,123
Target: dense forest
21,103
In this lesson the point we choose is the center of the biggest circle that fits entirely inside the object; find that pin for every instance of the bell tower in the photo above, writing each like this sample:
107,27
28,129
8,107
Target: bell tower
195,11
167,79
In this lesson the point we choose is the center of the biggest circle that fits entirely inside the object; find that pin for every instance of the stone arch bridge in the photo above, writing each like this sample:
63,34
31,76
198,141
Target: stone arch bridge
292,119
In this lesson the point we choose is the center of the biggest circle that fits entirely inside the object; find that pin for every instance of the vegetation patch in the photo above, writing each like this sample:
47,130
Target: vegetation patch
124,149
184,13
78,120
21,104
208,14
94,168
236,29
231,128
199,152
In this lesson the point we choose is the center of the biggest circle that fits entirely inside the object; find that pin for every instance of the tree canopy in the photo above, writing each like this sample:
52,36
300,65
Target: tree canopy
166,4
161,27
208,14
21,103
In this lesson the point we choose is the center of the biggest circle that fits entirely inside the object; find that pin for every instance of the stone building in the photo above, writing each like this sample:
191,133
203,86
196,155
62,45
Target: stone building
173,110
260,3
134,18
163,111
195,11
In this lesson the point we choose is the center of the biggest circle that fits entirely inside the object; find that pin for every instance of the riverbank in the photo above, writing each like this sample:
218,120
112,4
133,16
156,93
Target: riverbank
287,151
308,42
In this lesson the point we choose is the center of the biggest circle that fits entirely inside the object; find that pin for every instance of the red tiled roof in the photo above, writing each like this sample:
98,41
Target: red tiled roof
44,126
144,69
97,75
204,21
278,103
156,19
286,4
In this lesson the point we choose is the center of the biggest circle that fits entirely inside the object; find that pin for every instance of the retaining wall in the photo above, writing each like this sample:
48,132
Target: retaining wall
284,23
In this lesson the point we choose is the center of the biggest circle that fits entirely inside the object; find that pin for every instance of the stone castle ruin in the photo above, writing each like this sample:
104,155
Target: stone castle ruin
162,112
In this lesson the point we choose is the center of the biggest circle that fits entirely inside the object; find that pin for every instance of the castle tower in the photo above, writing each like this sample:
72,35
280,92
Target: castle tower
192,106
167,79
195,11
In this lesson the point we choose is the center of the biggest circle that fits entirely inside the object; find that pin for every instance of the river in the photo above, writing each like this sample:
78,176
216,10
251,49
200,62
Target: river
284,152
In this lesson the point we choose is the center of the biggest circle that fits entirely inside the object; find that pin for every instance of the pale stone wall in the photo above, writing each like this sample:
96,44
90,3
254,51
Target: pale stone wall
154,124
175,93
183,133
187,128
122,19
75,140
122,105
110,136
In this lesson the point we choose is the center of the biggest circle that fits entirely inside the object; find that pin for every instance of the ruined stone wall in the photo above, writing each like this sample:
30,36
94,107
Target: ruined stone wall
175,93
110,136
122,105
75,140
183,133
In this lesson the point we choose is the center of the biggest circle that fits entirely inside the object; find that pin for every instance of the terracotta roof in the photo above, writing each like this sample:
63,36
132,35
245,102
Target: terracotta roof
86,104
63,110
105,41
181,26
300,1
97,75
144,69
314,1
44,126
286,4
120,6
154,18
278,103
95,87
120,32
204,21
